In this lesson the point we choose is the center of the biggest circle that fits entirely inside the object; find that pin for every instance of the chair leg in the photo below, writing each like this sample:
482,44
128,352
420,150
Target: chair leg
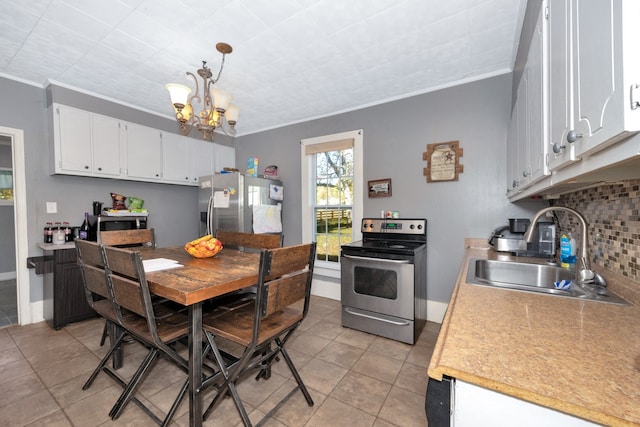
176,403
135,381
105,333
103,362
295,374
229,383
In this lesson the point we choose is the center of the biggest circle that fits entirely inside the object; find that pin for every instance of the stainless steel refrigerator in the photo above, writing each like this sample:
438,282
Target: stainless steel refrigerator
238,202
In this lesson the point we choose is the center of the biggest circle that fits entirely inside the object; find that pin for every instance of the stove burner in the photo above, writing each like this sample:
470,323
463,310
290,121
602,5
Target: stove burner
396,246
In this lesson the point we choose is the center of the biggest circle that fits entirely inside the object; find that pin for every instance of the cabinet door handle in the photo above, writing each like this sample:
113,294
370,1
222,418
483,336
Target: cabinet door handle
86,167
573,136
633,97
557,148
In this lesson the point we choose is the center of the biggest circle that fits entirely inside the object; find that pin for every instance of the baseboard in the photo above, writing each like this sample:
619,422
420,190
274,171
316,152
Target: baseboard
9,275
37,313
436,311
325,288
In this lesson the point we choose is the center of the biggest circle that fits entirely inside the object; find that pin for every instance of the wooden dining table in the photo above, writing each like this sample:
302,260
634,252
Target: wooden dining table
197,281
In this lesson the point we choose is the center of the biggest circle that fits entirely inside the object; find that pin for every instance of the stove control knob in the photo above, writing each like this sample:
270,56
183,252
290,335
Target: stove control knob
419,226
412,226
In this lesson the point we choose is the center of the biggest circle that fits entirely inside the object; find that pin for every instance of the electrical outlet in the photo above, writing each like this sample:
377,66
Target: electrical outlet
52,207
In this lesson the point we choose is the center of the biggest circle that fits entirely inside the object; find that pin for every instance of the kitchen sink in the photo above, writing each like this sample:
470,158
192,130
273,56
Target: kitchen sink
539,278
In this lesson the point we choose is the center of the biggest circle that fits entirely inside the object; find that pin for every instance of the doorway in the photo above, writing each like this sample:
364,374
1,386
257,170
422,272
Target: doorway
15,138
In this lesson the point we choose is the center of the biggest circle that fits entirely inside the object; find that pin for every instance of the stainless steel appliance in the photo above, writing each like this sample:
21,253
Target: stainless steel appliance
384,279
108,223
228,201
509,238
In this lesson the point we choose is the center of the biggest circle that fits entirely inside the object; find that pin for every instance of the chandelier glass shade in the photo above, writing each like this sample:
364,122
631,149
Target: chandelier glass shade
215,110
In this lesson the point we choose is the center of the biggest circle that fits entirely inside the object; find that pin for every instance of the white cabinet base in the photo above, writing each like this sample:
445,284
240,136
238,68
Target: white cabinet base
475,406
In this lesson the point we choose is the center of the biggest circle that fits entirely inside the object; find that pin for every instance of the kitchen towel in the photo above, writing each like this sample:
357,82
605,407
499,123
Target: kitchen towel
266,219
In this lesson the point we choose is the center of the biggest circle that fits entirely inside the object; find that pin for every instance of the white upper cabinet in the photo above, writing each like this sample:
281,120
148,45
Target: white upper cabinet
527,143
594,71
561,121
175,158
537,96
86,143
202,159
144,153
225,157
90,144
107,134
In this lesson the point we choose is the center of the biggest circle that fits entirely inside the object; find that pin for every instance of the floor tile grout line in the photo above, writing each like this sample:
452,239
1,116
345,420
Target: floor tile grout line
333,314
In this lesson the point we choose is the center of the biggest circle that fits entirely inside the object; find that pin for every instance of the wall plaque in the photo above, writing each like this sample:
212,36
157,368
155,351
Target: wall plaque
443,161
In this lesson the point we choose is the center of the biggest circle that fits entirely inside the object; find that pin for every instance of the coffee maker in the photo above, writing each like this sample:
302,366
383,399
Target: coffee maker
509,238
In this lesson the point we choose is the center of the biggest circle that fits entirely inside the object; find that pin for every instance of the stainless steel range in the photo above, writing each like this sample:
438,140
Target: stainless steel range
384,279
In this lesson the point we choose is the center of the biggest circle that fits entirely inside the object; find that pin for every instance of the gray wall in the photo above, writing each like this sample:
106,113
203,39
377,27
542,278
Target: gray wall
395,136
173,209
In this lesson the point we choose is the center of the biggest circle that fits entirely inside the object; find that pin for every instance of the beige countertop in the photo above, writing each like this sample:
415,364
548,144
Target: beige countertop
52,247
578,357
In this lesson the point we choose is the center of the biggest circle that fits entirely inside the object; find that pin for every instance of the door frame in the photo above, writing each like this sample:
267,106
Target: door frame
23,285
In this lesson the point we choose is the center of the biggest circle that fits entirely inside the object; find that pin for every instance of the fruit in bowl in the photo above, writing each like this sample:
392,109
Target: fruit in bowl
203,247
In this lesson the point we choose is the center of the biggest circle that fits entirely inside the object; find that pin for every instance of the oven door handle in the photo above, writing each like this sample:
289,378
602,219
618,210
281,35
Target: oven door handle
355,313
393,261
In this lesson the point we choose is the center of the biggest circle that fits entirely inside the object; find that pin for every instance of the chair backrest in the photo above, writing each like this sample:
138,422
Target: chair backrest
92,270
238,239
285,277
128,238
130,288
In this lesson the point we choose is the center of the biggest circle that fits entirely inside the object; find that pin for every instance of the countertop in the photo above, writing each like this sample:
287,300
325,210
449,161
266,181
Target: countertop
52,247
577,357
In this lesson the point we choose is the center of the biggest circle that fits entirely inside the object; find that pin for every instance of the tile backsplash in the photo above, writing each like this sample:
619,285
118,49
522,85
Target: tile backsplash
612,213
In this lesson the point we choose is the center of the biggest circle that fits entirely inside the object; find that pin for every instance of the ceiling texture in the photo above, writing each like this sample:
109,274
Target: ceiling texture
292,60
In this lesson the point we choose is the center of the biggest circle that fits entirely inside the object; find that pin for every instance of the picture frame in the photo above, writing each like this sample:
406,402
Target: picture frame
379,187
443,161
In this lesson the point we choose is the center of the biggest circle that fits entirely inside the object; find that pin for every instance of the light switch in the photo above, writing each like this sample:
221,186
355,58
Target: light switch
52,207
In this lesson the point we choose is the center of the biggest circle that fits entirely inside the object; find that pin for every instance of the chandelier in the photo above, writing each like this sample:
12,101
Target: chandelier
215,104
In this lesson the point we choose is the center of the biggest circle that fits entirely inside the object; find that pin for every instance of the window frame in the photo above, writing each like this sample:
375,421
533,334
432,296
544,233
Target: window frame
328,268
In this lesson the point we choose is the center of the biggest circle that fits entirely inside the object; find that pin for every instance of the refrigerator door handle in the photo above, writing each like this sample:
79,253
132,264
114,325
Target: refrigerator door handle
210,216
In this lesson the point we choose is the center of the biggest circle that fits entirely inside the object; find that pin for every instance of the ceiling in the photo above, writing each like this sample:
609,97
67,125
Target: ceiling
292,60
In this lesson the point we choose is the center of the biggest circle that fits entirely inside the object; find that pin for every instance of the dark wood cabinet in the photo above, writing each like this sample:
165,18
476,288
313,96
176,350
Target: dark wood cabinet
64,298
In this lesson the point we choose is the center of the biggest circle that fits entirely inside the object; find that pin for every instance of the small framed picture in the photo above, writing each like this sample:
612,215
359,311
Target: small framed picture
380,188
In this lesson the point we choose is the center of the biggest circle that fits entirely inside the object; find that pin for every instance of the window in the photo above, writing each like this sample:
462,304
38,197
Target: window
6,183
332,194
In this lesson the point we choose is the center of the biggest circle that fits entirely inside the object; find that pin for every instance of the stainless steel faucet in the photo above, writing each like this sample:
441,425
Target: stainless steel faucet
584,274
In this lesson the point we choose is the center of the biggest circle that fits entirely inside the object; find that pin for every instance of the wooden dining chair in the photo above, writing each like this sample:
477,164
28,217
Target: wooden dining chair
158,331
100,298
250,242
242,240
128,238
264,326
141,237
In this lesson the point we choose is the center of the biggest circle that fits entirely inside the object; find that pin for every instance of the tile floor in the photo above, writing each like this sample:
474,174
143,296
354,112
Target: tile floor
355,379
8,303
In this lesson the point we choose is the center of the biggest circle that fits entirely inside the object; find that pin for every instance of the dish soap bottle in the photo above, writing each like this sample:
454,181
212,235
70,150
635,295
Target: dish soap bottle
567,251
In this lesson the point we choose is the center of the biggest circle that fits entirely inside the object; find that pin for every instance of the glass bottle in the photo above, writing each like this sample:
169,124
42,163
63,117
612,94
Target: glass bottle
68,237
84,228
48,232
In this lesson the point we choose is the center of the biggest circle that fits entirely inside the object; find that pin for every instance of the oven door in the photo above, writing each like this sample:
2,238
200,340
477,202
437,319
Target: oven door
378,285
